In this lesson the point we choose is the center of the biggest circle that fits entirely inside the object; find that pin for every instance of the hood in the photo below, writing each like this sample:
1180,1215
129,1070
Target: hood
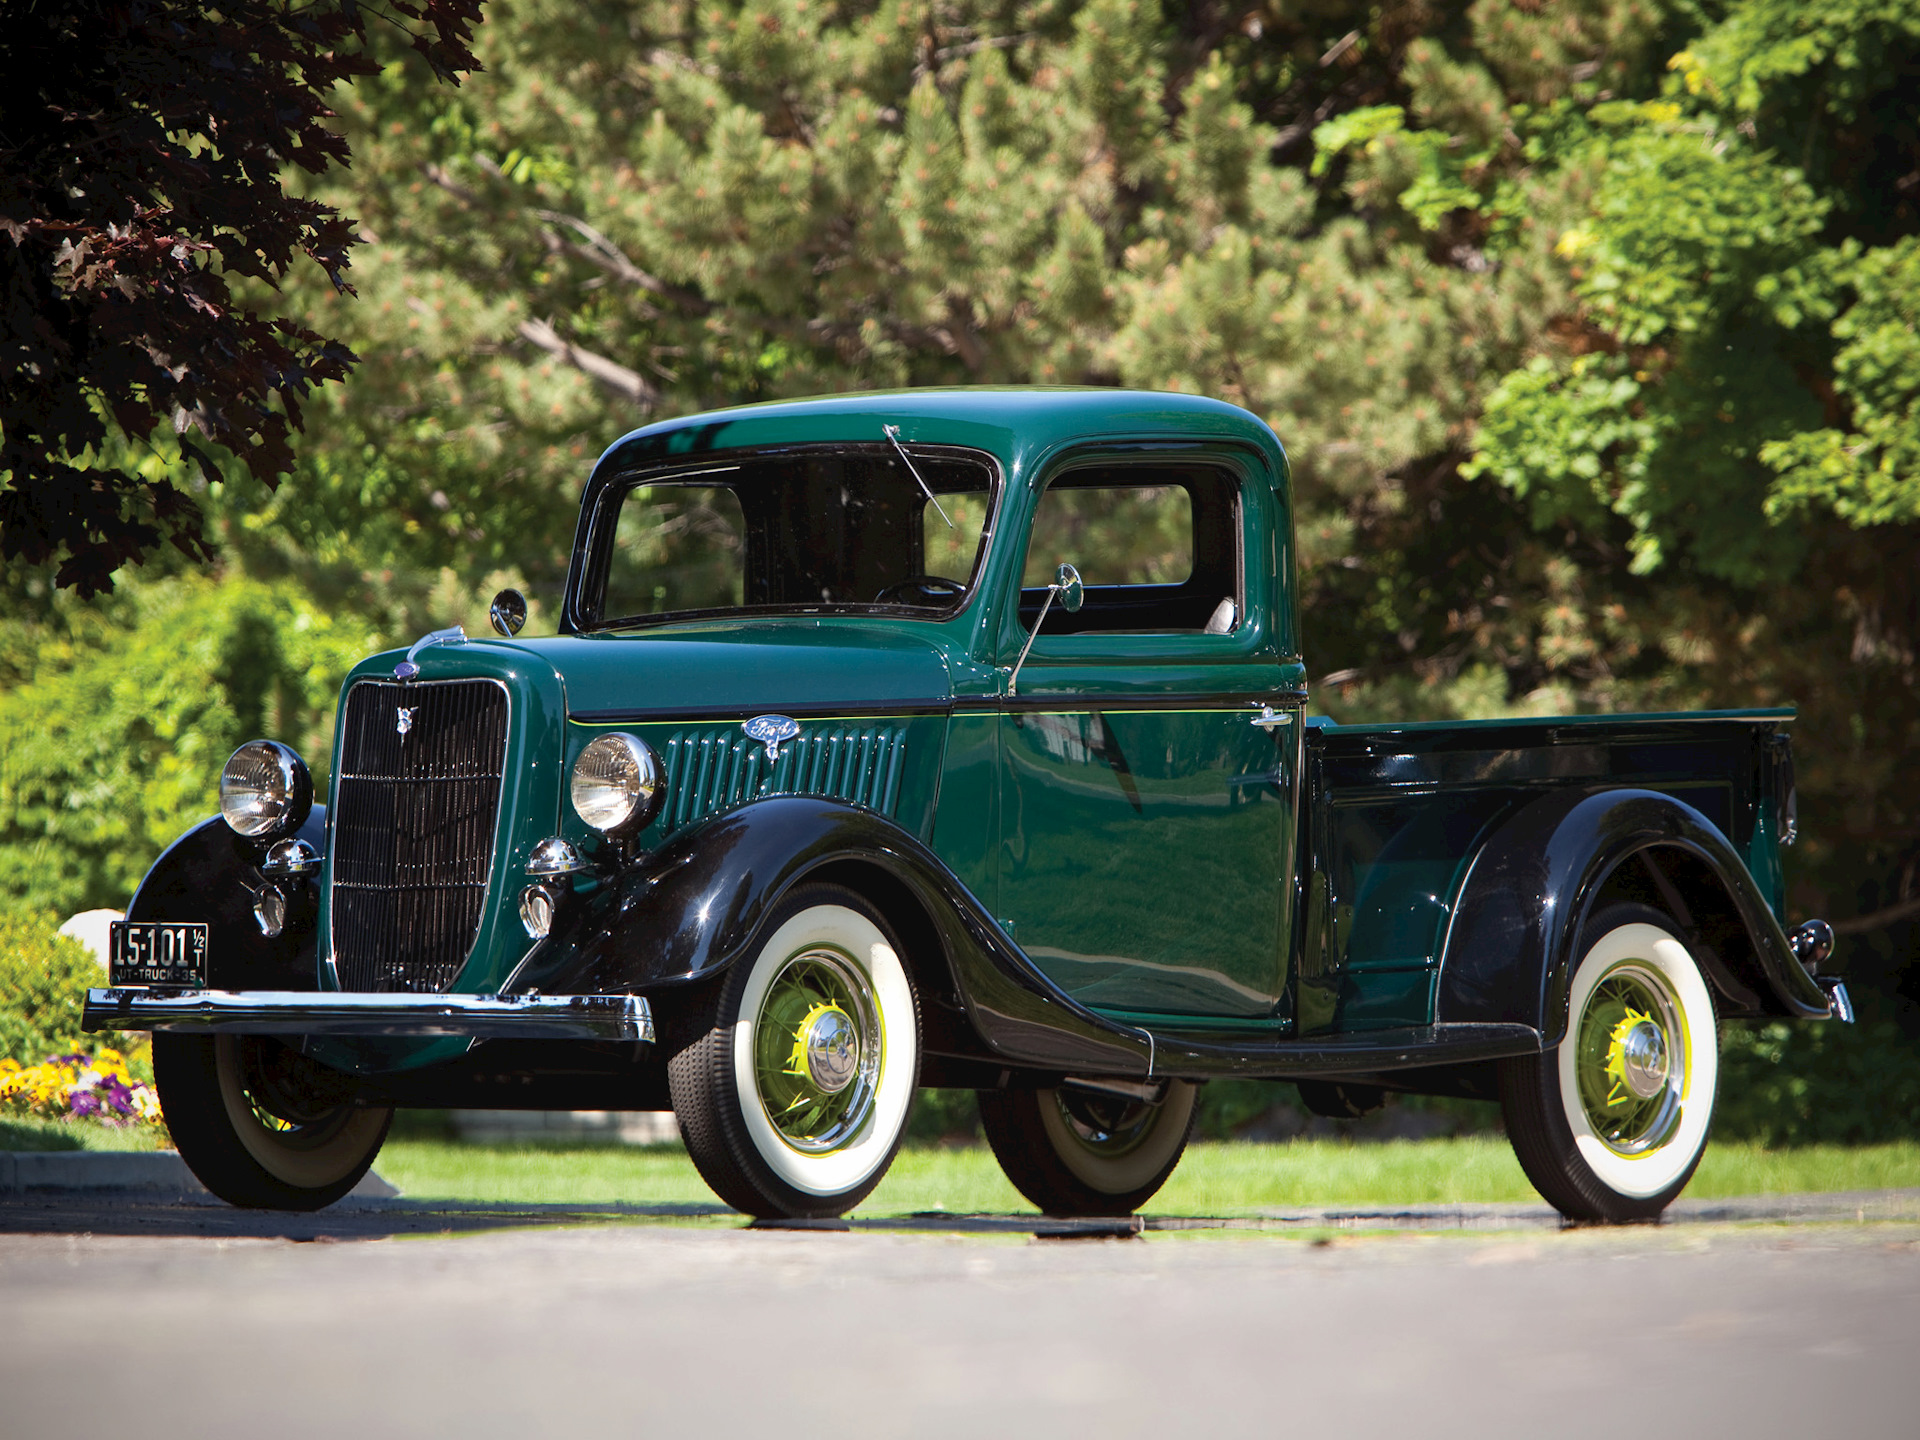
793,665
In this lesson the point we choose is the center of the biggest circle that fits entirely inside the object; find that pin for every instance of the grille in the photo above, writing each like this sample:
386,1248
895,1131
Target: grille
413,829
714,770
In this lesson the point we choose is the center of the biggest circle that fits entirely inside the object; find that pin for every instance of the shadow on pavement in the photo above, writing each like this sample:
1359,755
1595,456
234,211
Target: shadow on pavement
108,1213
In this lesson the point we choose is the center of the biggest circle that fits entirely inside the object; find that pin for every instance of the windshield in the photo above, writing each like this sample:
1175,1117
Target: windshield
823,529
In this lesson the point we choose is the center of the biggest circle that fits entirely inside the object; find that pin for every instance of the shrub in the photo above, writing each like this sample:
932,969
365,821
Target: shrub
1824,1083
44,977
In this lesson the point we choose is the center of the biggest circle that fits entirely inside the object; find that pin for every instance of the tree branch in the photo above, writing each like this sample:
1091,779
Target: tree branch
447,183
610,373
1877,919
974,47
1340,47
601,251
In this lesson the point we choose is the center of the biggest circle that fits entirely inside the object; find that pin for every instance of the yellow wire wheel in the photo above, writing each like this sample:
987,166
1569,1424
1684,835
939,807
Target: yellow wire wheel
1078,1151
817,1051
1117,1146
1630,1059
1639,1066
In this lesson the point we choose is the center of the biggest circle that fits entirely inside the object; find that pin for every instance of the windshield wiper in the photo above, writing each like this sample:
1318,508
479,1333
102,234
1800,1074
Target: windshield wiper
893,434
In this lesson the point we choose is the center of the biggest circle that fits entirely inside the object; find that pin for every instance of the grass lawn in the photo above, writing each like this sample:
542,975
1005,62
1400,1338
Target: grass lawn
1214,1179
33,1133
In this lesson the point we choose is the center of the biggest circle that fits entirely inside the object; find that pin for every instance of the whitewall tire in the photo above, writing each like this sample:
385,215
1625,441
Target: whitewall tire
1612,1122
794,1082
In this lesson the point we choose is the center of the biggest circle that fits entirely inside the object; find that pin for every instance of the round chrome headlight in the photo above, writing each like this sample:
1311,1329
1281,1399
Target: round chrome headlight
617,784
265,791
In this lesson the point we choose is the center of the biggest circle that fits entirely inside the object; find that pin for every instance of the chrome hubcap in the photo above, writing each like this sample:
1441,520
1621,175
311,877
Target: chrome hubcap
1105,1124
832,1050
1643,1060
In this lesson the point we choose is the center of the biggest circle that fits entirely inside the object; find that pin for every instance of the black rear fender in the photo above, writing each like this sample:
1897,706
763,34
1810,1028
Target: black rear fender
1534,882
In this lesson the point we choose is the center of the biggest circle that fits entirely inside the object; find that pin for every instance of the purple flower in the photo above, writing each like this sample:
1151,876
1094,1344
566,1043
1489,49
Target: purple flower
83,1102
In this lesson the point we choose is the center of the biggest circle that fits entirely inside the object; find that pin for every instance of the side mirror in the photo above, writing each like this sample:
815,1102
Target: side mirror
1066,583
508,612
1067,589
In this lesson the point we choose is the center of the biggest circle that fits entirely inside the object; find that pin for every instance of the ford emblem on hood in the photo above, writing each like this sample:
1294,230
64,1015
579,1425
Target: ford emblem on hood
772,731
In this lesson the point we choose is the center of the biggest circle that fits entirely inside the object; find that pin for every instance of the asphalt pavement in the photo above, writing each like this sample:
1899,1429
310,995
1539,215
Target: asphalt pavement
1788,1316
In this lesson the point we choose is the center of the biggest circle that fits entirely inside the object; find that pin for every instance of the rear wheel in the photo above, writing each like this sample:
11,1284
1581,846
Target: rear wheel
1610,1124
1075,1152
259,1124
793,1079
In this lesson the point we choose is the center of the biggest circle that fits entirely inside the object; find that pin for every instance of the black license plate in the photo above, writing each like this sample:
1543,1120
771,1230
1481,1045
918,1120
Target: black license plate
157,952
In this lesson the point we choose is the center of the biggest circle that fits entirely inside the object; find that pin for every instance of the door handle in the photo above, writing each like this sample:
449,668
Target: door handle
1269,719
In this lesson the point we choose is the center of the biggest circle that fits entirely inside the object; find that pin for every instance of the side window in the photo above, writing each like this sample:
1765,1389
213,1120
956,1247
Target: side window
1113,534
1158,549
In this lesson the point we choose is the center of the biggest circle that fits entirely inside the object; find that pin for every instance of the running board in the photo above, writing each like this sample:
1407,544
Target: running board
1330,1057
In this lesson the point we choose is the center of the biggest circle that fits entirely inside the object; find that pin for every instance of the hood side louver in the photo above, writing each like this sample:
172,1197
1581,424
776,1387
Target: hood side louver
710,770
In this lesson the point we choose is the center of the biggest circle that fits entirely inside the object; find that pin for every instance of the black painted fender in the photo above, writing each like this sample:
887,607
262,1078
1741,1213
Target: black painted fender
1529,890
689,910
212,875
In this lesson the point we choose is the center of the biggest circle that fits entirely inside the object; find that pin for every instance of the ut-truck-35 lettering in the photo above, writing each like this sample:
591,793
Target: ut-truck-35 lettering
956,739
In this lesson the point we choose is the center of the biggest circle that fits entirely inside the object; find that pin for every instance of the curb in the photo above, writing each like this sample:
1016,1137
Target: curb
146,1173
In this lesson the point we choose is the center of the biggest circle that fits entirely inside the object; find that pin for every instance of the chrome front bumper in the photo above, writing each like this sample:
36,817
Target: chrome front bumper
306,1012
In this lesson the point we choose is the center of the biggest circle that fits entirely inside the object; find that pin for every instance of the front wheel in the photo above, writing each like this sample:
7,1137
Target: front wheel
259,1124
1610,1124
793,1081
1075,1152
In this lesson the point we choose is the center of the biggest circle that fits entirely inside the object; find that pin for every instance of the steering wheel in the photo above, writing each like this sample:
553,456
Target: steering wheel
933,589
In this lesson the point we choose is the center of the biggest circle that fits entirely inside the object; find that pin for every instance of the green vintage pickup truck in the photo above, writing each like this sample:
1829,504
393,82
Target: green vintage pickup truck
953,738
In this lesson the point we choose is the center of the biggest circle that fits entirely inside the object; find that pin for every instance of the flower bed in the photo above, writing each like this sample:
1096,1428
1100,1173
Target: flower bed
79,1086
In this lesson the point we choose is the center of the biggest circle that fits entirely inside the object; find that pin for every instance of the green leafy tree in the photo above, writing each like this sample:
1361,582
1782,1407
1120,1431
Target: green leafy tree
114,746
1733,391
639,209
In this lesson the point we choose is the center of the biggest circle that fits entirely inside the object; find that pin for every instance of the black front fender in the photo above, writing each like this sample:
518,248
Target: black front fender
1531,887
212,875
686,912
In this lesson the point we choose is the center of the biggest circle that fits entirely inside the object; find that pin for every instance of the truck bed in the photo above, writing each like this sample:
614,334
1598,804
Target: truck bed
1396,812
